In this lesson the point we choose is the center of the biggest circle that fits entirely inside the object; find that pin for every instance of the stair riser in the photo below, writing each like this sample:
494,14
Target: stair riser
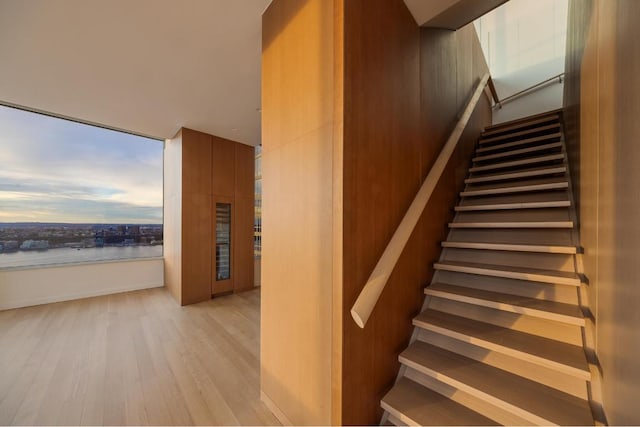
510,275
519,215
518,125
519,152
517,175
511,248
525,288
565,383
495,168
519,189
517,198
558,262
529,133
472,402
513,206
505,307
571,334
555,237
523,143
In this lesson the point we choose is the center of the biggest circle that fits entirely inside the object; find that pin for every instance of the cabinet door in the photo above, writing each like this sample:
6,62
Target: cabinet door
222,251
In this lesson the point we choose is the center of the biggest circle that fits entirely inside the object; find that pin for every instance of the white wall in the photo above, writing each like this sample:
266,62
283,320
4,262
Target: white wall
524,43
40,285
543,100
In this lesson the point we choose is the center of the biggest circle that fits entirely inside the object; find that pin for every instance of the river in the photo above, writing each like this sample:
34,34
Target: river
70,255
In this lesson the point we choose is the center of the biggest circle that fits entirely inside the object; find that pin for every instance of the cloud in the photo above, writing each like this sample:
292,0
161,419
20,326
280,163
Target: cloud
54,169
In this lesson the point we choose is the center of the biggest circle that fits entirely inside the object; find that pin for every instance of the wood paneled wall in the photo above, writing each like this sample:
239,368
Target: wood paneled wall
197,218
357,103
601,110
404,88
301,230
201,169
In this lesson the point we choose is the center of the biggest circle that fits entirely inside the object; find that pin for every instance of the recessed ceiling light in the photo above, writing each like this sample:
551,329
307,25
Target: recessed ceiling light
234,129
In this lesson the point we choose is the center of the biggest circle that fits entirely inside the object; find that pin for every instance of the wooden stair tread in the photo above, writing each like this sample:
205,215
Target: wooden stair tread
527,150
512,224
484,140
544,309
507,271
504,206
557,355
516,188
522,122
415,404
535,402
518,142
521,162
528,173
497,246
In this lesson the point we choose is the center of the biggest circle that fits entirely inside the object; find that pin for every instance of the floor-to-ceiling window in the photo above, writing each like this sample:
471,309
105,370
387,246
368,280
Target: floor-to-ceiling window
72,192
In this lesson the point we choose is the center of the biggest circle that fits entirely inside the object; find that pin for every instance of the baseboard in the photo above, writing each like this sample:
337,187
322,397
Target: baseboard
73,296
275,410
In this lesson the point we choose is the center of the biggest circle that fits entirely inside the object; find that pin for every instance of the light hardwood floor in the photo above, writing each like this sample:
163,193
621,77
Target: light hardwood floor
134,358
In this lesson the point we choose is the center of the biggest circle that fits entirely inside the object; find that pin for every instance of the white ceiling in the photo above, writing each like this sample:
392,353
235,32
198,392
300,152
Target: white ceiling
146,66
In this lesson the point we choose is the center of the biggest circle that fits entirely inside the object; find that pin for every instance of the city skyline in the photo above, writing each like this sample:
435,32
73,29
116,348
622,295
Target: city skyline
60,171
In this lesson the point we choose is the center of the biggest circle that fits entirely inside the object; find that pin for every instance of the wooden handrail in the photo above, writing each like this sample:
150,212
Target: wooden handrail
371,291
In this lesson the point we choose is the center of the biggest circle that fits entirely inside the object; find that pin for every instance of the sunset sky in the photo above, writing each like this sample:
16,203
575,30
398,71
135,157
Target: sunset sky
54,170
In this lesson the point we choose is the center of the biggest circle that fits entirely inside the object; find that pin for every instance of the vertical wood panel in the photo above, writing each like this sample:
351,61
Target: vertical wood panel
245,160
196,160
297,208
196,216
223,170
243,216
243,248
196,248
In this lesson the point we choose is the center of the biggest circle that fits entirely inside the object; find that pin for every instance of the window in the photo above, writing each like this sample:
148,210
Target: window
72,192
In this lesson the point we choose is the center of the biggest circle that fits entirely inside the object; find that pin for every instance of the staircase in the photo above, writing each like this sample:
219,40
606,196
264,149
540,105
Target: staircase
500,338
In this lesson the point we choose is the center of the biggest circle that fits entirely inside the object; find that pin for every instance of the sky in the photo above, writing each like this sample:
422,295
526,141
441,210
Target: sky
54,170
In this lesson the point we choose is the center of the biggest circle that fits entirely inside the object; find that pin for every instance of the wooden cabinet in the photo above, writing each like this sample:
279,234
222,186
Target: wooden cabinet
208,216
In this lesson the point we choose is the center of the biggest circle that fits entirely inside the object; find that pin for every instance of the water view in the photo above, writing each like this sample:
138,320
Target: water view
36,244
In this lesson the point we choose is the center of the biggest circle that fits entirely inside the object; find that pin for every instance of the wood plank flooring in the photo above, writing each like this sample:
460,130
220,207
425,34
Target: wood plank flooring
135,358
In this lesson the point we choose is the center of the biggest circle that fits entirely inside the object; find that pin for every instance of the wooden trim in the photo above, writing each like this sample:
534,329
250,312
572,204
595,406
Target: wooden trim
369,295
